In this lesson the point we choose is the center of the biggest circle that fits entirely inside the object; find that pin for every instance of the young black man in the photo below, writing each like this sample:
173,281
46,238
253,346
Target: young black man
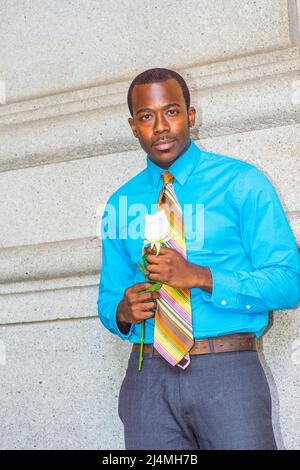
202,385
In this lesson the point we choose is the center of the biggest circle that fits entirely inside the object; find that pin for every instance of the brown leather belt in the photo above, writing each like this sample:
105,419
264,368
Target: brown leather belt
217,344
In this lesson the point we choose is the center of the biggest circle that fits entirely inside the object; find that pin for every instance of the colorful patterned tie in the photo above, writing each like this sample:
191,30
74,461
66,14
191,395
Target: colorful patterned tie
173,330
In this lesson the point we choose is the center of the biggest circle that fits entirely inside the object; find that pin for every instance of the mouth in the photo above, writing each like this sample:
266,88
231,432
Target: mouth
164,144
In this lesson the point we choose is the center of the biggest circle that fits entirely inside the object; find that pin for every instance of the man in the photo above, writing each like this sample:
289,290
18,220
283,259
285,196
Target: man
201,385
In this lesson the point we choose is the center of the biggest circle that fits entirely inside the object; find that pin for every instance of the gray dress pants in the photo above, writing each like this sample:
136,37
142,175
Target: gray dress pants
221,401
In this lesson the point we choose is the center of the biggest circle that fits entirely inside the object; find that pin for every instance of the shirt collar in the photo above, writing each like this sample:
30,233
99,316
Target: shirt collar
180,169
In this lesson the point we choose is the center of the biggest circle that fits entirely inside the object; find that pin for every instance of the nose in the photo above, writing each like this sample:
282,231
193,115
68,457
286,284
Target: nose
161,124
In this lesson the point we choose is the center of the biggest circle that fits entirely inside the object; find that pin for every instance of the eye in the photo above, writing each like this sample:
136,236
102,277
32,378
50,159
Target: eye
172,111
146,116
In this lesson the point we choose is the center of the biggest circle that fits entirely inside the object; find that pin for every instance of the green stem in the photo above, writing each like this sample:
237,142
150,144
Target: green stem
142,345
155,285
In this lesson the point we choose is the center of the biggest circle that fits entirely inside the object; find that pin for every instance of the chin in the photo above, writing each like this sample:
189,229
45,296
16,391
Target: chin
165,160
165,156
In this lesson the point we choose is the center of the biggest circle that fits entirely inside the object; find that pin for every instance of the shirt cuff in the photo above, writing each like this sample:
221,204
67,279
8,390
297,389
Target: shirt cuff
227,292
225,289
115,324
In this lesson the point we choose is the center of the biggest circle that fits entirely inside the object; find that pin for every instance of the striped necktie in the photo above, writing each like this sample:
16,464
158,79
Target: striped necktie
173,330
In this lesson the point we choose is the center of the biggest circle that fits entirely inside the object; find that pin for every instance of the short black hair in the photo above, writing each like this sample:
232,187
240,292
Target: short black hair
158,75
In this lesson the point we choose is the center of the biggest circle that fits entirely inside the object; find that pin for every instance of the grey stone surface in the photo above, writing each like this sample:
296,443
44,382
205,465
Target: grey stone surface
92,42
60,383
281,361
66,146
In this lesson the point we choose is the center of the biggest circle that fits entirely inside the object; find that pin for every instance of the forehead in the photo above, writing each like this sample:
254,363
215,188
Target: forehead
156,95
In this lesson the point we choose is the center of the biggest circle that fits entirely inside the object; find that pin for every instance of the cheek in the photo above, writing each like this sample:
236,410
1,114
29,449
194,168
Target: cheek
145,127
145,133
179,125
145,138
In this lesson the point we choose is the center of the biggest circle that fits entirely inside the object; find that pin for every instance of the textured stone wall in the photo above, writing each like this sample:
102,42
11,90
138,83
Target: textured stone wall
65,67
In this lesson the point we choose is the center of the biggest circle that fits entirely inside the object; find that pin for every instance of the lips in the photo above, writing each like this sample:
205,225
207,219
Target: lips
164,144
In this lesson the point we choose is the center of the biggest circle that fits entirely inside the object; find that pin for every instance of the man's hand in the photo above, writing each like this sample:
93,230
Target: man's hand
136,307
171,268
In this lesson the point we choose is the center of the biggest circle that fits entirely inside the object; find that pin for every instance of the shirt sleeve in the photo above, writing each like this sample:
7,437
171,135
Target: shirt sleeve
117,271
274,282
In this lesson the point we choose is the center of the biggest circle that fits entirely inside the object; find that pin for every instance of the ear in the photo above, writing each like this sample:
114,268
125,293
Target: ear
191,116
132,125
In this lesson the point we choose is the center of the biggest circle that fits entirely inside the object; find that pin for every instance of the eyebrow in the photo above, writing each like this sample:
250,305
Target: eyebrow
142,110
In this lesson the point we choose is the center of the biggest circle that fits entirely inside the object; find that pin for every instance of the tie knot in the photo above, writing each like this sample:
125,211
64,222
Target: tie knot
167,177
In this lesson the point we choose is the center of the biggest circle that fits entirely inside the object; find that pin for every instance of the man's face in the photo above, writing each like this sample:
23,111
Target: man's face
161,120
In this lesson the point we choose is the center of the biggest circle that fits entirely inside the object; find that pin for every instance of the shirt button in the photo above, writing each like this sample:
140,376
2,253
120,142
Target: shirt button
248,306
223,302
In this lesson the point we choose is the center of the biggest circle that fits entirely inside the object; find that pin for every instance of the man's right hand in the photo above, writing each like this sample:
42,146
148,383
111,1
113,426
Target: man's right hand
135,306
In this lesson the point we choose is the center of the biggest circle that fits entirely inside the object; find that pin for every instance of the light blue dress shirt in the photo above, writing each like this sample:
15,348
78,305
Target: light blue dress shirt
239,230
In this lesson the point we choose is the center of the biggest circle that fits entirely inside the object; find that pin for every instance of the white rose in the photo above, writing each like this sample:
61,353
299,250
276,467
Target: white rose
157,226
156,229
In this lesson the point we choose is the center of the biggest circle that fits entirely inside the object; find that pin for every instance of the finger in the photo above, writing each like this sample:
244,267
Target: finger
147,296
149,306
154,268
140,286
148,314
153,259
145,306
154,250
144,316
150,250
156,295
154,277
164,250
